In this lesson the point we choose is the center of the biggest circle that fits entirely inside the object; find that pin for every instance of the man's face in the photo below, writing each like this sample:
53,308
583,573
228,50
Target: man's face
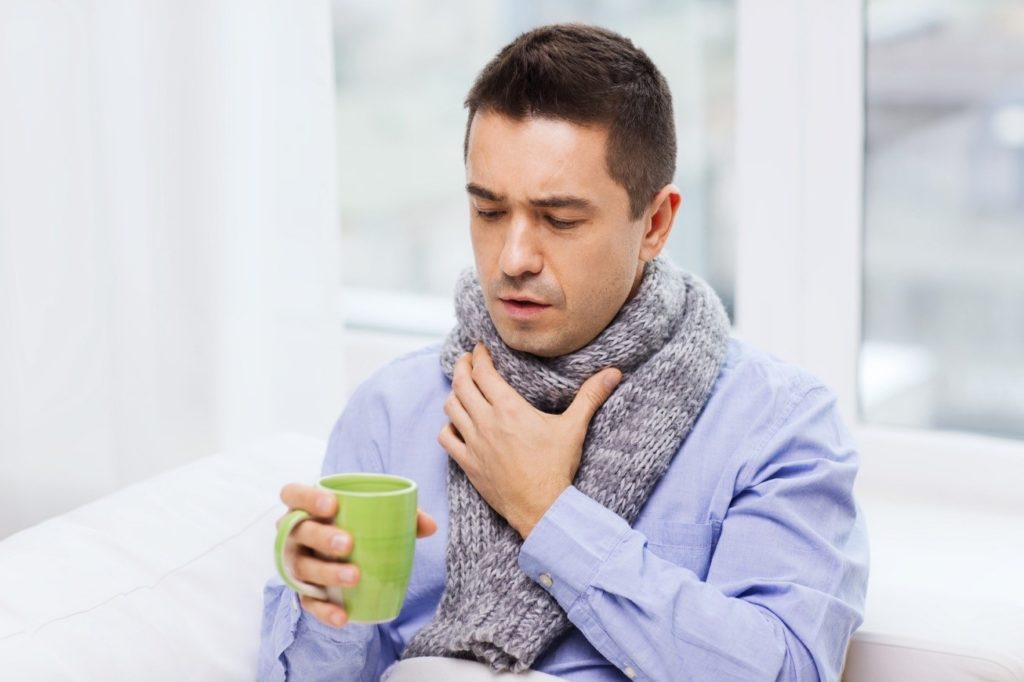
555,248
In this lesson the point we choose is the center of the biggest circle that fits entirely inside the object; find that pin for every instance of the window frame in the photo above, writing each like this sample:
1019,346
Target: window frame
801,113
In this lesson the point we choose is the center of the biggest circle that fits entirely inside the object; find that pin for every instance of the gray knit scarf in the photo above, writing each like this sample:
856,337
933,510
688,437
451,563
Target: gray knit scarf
669,342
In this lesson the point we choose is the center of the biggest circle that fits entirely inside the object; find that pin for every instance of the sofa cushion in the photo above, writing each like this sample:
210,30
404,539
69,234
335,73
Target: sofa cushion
160,580
945,596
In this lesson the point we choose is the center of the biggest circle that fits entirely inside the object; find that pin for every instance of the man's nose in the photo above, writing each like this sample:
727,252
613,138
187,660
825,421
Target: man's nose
521,253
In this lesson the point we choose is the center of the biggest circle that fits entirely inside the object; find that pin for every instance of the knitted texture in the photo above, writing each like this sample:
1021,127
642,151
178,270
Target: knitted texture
669,342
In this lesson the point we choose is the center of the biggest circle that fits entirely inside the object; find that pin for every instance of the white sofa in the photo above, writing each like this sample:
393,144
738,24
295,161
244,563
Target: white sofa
163,581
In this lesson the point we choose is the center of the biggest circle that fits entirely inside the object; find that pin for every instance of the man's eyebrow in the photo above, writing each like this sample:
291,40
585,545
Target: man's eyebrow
483,193
560,201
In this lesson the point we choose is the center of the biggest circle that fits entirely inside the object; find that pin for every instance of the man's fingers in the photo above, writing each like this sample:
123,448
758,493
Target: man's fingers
466,389
324,538
309,498
454,445
325,612
331,541
485,375
455,411
593,393
327,573
425,524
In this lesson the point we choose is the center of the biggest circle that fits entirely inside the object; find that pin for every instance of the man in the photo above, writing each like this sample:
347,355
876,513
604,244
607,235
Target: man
621,488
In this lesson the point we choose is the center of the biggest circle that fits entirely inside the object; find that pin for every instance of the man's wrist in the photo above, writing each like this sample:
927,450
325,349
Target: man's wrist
531,516
570,544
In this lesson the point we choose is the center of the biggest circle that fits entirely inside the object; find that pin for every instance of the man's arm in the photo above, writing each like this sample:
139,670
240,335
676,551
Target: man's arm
786,583
293,643
296,646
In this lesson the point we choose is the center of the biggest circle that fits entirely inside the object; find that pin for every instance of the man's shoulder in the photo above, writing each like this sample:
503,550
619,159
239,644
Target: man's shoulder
413,377
760,402
410,365
761,376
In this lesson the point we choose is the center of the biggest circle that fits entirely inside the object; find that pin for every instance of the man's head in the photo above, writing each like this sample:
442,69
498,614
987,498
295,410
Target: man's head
570,149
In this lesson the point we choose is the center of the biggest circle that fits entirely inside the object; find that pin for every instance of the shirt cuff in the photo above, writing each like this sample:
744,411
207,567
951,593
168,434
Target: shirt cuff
569,544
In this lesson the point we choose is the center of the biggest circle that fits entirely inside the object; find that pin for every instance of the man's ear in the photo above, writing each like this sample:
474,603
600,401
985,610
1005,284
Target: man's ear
658,221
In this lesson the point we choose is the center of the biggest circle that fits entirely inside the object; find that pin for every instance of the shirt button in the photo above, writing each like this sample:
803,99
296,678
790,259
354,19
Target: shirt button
546,580
629,672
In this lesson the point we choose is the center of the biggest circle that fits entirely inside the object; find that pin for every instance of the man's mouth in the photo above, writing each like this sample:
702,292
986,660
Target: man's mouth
521,308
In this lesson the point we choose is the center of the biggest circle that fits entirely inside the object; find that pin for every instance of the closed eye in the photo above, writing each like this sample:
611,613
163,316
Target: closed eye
489,215
563,224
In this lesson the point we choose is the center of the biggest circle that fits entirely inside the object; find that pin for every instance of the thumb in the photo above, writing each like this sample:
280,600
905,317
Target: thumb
593,393
425,524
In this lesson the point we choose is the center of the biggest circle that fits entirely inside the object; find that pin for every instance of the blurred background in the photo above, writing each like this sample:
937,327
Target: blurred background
943,298
217,217
943,315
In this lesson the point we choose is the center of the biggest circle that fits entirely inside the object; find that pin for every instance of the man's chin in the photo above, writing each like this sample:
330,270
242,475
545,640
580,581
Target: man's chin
534,343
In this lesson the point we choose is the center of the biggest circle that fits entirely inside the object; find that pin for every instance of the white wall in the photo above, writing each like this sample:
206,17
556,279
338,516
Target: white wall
168,243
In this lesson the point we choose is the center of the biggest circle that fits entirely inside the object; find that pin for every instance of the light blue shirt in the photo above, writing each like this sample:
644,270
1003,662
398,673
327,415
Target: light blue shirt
749,560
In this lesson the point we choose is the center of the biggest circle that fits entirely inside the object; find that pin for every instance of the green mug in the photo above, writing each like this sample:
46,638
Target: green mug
379,512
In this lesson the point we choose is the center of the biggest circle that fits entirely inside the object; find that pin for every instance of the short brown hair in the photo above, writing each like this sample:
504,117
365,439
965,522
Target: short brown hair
588,75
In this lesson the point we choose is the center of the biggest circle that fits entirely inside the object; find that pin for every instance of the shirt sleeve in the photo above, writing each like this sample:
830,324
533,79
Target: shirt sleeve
786,582
294,645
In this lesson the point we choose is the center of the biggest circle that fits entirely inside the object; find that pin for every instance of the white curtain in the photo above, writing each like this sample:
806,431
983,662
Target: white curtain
169,257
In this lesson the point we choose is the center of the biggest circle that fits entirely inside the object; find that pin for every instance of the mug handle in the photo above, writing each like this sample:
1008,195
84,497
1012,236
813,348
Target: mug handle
287,526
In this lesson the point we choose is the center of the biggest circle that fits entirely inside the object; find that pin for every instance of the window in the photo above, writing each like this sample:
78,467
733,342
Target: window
402,72
943,289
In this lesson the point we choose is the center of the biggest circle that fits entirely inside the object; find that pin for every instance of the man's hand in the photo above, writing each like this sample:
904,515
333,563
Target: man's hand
518,458
316,549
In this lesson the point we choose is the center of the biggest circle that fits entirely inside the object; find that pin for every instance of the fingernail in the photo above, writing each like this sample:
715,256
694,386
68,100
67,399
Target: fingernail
340,544
611,379
337,619
323,505
347,574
